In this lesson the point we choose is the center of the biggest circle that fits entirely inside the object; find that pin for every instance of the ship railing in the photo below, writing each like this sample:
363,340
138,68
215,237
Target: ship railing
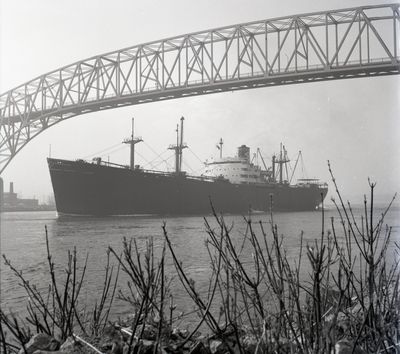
205,178
187,176
113,164
311,181
300,182
156,172
104,163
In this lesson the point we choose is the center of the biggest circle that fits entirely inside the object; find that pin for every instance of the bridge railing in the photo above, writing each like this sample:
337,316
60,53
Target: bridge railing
291,70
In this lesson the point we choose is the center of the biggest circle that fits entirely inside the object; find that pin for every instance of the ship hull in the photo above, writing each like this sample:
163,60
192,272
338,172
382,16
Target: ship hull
82,188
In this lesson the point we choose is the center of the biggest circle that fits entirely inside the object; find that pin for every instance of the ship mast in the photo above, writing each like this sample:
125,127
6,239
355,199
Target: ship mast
282,160
280,166
273,168
219,147
132,141
178,148
181,146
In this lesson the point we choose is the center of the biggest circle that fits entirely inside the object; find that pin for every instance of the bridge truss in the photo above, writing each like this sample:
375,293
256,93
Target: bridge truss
339,44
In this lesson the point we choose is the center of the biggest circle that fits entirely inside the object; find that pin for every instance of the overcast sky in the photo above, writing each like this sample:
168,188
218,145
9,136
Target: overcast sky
353,123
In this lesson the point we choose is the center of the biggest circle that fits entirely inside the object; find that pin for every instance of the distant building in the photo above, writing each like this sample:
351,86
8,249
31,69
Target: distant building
9,201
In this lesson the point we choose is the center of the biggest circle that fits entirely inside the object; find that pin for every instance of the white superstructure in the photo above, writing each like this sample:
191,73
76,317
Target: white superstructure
238,170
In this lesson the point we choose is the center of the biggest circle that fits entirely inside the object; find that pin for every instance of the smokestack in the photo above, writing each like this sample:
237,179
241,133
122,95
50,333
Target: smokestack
1,193
181,146
11,187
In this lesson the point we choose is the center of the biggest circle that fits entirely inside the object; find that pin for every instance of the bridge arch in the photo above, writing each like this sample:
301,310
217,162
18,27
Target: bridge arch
329,45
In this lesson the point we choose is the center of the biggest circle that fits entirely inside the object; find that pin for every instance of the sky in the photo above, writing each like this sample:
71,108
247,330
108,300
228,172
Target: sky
353,123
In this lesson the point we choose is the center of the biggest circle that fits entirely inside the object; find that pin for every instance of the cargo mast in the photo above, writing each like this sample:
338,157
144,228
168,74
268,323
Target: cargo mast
281,161
132,141
219,147
178,148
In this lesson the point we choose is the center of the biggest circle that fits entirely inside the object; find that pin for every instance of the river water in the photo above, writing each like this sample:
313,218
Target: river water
23,242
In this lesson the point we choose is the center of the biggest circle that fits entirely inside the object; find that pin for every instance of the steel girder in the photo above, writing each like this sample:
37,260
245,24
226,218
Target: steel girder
346,43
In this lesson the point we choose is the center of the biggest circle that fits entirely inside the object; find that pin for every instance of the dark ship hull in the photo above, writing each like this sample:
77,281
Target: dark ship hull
82,188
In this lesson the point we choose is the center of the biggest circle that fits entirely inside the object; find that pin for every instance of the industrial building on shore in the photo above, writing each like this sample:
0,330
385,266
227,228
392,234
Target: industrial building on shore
9,201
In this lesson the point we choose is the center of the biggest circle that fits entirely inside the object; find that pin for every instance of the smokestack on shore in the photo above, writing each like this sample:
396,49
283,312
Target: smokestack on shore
1,193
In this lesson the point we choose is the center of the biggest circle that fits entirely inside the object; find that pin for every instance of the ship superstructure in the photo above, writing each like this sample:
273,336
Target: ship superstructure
232,184
237,170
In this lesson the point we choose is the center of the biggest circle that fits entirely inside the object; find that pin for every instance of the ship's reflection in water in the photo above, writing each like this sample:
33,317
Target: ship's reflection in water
23,242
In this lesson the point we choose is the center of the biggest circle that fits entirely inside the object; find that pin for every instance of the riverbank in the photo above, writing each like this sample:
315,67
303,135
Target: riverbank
40,207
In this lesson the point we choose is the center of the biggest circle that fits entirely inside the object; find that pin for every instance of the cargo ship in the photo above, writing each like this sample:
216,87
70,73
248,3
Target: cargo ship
229,184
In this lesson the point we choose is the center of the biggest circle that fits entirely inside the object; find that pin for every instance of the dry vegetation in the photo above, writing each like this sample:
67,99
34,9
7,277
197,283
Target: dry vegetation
347,300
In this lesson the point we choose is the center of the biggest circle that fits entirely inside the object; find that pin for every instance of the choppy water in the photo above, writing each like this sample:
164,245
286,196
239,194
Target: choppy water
23,242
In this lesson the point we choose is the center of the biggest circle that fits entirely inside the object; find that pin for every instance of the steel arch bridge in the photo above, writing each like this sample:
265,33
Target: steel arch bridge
339,44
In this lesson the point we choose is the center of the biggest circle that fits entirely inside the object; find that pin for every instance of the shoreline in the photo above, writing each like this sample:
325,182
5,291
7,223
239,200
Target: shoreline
264,304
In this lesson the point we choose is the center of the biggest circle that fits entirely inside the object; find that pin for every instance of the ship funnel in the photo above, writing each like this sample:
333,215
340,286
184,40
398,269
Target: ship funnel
244,153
